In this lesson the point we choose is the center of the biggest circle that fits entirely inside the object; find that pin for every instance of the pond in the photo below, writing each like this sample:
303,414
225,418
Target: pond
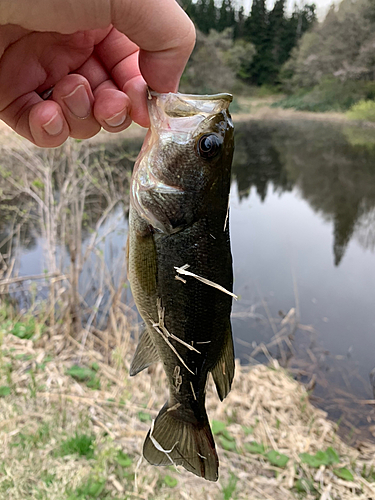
303,238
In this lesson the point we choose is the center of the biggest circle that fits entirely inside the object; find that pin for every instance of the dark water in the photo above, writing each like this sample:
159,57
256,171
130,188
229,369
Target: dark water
303,239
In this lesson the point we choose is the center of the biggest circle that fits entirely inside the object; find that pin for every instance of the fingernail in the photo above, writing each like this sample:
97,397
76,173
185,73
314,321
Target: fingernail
55,125
78,102
117,119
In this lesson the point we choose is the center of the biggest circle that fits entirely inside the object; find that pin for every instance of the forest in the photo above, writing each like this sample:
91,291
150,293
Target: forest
260,42
319,65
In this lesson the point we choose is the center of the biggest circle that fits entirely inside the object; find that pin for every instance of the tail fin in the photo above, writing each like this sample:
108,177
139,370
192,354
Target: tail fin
172,440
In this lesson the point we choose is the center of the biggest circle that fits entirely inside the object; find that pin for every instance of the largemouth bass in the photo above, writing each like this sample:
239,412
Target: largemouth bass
180,269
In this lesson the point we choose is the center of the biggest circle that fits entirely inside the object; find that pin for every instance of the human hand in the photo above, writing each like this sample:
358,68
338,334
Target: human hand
99,55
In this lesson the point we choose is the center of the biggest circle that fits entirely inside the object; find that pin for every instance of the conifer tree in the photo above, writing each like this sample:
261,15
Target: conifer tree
256,32
226,16
239,27
212,16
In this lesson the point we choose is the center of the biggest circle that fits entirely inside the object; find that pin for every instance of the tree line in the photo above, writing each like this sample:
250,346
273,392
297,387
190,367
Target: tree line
266,35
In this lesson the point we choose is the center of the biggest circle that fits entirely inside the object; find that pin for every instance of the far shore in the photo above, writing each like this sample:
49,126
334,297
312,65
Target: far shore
252,108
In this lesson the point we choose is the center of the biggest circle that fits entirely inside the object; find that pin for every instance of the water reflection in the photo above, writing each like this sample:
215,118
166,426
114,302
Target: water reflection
333,172
257,161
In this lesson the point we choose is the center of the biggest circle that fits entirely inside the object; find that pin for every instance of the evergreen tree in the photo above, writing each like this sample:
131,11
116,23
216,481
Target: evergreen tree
212,16
256,32
226,16
239,27
201,19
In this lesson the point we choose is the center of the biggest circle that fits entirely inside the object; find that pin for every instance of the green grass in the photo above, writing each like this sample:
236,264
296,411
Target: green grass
85,374
81,444
230,487
91,489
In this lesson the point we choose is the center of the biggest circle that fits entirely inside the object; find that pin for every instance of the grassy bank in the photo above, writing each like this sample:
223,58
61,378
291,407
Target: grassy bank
73,423
355,99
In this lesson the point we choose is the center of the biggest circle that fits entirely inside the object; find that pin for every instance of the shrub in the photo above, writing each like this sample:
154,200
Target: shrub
362,110
331,94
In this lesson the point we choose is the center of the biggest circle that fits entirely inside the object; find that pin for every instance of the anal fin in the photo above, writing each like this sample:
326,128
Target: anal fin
223,371
145,354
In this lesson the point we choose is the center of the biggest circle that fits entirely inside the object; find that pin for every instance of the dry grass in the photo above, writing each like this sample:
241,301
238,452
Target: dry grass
46,406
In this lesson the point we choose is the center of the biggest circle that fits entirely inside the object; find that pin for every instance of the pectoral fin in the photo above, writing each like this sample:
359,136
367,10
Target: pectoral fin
145,354
223,371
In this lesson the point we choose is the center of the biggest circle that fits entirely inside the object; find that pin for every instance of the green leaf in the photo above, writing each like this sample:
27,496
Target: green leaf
227,435
278,459
94,384
144,417
24,330
38,184
304,485
4,391
344,473
248,430
84,374
217,427
255,447
320,458
170,481
95,489
227,444
123,459
80,373
333,456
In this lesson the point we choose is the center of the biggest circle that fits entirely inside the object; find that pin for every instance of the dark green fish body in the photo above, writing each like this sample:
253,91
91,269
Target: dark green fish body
178,218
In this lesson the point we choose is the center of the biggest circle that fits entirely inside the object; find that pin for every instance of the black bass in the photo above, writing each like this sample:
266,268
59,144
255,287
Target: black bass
180,269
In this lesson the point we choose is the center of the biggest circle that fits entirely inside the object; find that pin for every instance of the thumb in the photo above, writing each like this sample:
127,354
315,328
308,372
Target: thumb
165,35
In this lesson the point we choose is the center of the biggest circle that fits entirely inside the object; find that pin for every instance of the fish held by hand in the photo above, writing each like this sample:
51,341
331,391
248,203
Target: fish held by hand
179,219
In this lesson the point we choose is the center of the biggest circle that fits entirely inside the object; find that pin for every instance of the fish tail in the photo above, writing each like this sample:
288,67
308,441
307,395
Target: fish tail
175,441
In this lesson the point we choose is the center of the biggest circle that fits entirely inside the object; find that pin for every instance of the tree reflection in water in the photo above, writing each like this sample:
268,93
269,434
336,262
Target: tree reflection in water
330,167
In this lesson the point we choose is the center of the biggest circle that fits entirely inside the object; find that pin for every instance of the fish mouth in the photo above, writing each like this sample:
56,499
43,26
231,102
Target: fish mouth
193,97
176,105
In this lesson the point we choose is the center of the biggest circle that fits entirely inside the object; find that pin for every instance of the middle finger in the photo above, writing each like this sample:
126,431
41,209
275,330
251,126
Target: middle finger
74,94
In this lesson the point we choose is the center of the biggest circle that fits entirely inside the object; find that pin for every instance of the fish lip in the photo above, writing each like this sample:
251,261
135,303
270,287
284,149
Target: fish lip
183,112
205,97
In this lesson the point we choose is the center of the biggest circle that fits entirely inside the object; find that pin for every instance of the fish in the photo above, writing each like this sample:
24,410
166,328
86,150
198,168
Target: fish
180,269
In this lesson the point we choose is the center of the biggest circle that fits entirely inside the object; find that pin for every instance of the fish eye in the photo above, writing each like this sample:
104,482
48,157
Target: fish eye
209,145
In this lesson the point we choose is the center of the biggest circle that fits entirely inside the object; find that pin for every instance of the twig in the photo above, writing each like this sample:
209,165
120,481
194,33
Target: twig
182,270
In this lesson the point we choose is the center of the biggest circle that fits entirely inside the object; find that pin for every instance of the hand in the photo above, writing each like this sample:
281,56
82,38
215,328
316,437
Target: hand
99,55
